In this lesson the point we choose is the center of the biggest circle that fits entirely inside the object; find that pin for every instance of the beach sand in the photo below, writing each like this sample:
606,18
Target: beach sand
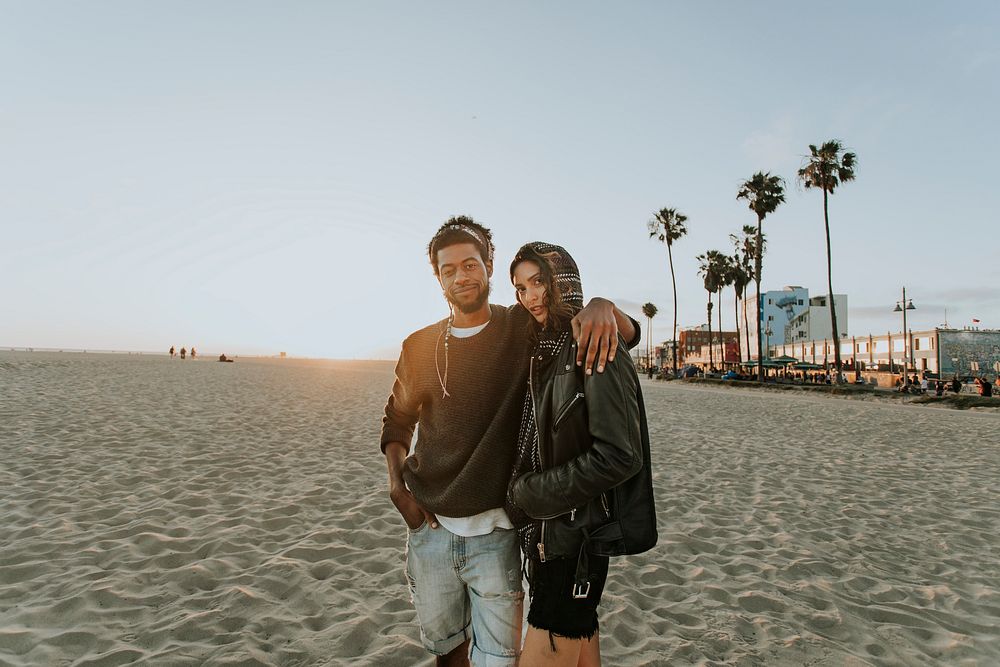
154,511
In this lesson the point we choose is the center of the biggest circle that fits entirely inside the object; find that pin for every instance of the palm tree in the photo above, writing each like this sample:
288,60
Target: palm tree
764,193
738,278
649,310
745,253
667,225
827,167
708,269
724,272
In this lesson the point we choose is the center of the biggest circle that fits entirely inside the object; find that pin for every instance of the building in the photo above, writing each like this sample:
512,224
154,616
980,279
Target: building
942,352
692,339
722,354
664,354
789,315
814,322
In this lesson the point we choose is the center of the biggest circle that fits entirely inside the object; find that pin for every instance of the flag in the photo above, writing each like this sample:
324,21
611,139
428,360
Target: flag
975,321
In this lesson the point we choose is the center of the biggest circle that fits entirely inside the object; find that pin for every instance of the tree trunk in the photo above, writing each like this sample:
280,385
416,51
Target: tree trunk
757,266
711,362
673,281
649,342
746,325
829,284
736,315
722,344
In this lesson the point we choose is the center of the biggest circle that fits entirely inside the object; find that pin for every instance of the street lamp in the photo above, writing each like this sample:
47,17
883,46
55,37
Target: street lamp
902,307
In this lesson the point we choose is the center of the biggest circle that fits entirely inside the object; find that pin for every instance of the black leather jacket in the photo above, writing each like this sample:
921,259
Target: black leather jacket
594,493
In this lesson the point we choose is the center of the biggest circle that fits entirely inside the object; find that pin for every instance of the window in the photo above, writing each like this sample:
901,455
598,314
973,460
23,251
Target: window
800,302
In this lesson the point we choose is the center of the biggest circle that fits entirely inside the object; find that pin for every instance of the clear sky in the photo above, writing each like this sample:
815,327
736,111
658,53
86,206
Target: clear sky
260,176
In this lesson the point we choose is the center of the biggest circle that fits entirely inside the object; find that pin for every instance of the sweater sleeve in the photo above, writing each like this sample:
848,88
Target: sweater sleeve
634,343
614,456
402,410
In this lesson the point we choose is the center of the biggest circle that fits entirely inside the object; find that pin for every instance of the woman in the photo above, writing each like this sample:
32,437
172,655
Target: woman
581,489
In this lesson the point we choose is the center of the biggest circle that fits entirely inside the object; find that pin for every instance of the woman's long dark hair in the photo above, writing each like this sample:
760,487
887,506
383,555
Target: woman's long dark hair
560,312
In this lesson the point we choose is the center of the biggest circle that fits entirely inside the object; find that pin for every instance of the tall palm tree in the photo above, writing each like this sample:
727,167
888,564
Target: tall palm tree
724,272
649,310
764,193
745,252
667,225
827,167
738,278
708,269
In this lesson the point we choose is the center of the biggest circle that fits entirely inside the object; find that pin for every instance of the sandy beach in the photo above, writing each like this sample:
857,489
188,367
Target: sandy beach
154,511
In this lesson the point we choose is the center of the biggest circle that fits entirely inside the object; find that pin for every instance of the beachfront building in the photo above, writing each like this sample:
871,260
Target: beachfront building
664,354
939,351
693,339
724,354
789,315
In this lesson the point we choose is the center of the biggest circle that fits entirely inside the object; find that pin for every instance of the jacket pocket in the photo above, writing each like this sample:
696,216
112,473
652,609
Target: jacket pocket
566,410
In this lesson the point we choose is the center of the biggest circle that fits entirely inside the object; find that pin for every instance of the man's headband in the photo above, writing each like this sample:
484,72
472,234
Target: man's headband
458,226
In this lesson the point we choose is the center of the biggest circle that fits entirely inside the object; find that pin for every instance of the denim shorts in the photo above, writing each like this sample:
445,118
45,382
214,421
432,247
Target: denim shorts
467,587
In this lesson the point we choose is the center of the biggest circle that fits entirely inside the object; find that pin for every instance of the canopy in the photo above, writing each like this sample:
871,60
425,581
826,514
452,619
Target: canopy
768,363
806,366
785,359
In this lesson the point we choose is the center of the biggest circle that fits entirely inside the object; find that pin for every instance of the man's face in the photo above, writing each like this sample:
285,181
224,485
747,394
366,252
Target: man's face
464,276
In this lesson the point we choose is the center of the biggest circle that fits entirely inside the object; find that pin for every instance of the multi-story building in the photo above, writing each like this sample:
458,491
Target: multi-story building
947,352
692,339
789,315
814,322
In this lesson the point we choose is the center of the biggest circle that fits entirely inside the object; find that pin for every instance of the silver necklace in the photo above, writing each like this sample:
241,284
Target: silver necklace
443,380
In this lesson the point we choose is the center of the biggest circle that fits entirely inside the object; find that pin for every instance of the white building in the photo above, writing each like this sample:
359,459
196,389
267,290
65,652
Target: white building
789,315
814,322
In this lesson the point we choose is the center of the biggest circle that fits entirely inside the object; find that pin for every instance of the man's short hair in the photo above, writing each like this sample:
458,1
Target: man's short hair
461,229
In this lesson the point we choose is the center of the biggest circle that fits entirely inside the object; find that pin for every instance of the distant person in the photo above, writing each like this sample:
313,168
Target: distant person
192,353
172,353
222,357
985,387
183,353
956,385
939,388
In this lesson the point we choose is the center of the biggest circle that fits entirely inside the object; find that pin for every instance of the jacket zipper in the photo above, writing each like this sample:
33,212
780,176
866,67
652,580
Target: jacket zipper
565,411
604,504
541,462
541,544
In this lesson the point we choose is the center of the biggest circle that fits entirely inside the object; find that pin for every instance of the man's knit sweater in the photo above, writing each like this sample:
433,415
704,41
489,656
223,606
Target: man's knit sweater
466,441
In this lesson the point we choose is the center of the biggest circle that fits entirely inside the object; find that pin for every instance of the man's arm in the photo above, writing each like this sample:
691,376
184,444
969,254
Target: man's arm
402,411
596,330
411,511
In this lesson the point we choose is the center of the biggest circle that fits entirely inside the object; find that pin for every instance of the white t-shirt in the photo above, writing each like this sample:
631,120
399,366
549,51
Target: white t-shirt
484,522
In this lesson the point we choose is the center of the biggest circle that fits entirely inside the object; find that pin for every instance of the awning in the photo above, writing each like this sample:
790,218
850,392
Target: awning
768,363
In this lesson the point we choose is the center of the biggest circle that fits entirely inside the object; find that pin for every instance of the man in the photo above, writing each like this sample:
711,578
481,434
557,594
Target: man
463,381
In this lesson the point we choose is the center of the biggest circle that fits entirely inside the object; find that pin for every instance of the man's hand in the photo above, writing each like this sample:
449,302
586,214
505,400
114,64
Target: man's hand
596,329
413,514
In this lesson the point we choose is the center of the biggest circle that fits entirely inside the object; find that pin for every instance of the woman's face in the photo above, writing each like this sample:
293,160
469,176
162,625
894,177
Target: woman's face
531,290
